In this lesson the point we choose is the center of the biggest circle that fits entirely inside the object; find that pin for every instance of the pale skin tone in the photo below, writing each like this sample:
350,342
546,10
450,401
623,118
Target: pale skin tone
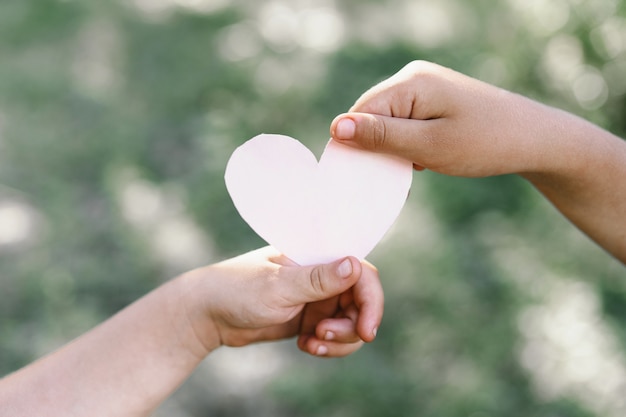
130,363
453,124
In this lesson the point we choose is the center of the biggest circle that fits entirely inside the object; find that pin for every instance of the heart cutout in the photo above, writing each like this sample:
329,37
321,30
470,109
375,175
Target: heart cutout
316,212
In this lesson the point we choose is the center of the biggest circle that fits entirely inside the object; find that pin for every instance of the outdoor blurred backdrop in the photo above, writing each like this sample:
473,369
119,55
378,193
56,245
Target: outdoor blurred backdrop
116,122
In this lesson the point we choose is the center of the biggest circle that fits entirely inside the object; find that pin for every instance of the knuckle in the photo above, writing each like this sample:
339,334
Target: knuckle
423,76
421,67
416,65
379,136
316,278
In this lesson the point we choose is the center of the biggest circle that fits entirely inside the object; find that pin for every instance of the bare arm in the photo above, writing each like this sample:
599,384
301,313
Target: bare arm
453,124
129,364
584,176
124,367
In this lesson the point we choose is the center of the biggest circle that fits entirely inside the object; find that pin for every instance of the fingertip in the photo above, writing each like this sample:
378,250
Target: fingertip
370,335
371,267
357,267
322,350
349,267
366,332
331,349
322,281
335,123
312,345
344,269
345,128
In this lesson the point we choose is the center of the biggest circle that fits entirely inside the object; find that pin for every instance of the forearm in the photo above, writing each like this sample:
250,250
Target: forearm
124,367
582,171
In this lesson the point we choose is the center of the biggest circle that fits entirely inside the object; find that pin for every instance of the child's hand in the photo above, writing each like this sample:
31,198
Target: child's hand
263,296
453,124
130,363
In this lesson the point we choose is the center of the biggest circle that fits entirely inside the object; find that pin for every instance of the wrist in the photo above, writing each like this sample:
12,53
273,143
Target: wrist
570,150
548,143
202,334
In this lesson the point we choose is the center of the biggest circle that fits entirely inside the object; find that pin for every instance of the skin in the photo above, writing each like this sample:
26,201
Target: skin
453,124
130,363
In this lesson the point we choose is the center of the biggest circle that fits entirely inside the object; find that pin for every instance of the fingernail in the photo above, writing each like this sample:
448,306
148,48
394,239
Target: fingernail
329,336
344,270
321,350
375,331
345,129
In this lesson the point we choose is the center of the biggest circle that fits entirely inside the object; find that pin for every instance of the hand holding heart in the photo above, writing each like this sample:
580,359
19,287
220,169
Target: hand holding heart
316,213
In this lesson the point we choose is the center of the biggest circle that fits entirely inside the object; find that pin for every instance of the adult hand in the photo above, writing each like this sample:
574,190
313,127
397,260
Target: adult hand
262,295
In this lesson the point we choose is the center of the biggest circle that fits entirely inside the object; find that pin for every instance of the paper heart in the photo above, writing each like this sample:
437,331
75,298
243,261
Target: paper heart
316,213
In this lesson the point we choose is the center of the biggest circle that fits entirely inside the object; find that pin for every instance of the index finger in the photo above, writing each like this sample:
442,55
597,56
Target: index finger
370,300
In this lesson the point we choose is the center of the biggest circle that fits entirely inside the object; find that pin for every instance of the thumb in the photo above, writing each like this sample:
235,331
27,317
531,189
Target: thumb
320,282
391,135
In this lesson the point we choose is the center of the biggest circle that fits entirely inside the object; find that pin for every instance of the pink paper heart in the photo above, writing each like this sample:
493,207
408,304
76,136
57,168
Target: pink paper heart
316,213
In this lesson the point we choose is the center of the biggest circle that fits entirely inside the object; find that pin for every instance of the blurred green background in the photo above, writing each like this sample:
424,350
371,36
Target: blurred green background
116,122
